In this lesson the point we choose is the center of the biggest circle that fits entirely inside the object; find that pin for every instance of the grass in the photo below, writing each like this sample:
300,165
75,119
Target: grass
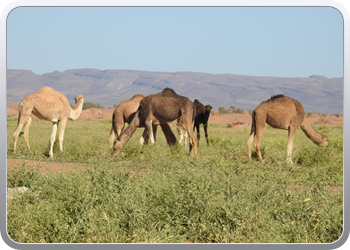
157,193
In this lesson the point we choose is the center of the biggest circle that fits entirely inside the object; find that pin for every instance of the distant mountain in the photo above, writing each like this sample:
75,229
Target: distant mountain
109,87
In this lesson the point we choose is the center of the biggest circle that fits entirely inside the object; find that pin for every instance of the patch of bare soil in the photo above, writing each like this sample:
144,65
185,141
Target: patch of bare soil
44,166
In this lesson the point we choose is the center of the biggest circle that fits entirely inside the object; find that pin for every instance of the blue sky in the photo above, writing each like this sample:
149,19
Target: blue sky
260,41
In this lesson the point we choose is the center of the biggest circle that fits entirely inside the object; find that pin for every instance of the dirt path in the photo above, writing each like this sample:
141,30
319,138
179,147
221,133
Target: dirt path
45,166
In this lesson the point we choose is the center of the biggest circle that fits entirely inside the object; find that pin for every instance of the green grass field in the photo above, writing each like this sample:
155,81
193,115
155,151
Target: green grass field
159,194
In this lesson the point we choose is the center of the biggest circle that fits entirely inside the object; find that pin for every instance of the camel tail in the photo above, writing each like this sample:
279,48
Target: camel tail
20,113
20,107
194,114
113,132
313,135
113,124
251,137
252,130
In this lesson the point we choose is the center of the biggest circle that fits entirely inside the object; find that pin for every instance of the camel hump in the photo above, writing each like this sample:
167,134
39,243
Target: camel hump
137,95
200,109
274,97
168,91
47,88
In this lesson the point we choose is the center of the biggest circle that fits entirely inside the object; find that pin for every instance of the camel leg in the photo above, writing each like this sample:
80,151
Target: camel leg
23,119
144,138
53,137
63,124
198,134
149,127
291,134
126,135
116,129
15,135
26,132
193,140
169,135
111,137
249,145
258,133
154,129
180,132
206,132
185,135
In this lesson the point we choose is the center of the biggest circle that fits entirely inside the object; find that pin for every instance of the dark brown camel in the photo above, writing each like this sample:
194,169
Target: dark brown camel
202,116
125,112
161,108
284,113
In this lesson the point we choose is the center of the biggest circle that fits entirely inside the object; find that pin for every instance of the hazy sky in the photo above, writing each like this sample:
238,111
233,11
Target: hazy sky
260,41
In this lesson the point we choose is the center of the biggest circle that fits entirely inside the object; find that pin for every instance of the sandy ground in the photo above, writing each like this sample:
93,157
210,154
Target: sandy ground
233,121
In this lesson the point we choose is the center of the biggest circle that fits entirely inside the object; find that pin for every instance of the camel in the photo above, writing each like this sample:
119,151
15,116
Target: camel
160,108
284,113
46,104
202,117
125,112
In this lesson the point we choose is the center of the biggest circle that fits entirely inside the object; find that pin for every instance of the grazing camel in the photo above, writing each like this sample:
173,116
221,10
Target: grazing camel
125,112
46,104
202,117
161,108
284,113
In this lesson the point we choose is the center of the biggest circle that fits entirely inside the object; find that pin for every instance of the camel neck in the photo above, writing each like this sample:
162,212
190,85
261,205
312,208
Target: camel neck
76,111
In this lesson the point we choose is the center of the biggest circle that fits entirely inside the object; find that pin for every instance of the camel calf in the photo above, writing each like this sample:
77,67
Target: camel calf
161,108
284,113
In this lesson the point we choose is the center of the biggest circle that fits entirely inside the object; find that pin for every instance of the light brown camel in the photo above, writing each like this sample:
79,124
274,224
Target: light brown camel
161,108
46,104
284,113
125,112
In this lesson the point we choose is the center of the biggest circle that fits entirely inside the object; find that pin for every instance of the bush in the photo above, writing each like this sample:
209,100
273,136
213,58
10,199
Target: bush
89,105
231,110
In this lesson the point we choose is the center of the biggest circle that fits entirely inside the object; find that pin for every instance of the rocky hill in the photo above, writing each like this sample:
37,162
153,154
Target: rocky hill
110,87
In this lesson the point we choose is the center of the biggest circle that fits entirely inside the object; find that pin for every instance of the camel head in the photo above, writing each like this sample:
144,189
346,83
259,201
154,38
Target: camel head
78,98
324,142
208,108
76,111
